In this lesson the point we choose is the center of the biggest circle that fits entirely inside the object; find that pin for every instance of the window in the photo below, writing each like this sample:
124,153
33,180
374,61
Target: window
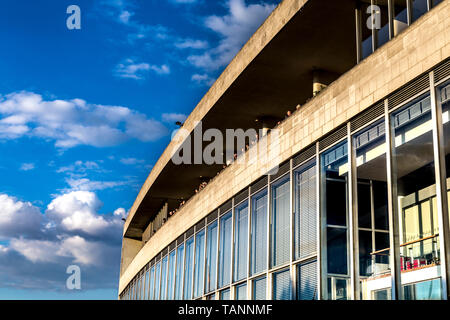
241,242
241,291
307,281
280,222
226,225
369,145
426,290
157,281
164,266
188,270
179,273
305,235
259,233
282,285
413,164
151,286
225,295
334,186
171,275
199,263
145,291
259,289
211,257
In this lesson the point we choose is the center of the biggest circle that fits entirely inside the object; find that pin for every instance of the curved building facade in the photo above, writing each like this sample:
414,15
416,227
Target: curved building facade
346,196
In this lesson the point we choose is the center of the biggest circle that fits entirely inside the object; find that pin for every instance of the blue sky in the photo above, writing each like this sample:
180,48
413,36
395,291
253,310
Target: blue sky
84,114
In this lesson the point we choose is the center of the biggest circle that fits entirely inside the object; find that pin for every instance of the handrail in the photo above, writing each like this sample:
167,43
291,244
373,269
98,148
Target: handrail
406,244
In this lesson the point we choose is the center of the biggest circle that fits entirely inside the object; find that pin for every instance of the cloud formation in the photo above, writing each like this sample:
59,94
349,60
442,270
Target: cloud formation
234,29
72,230
73,122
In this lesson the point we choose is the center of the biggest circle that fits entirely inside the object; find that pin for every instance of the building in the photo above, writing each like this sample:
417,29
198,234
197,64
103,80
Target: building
358,207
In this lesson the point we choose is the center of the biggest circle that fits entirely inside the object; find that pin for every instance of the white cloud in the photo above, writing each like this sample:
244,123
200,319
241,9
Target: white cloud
131,161
36,250
235,29
173,117
73,122
17,217
80,167
203,79
131,69
191,44
77,211
121,213
27,166
84,184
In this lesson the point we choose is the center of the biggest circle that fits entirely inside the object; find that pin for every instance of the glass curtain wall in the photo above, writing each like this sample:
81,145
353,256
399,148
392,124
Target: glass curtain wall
258,262
414,178
259,289
226,226
369,147
334,192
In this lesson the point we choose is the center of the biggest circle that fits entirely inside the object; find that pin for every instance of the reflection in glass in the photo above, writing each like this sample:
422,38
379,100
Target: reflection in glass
164,278
157,281
369,145
413,162
282,285
334,197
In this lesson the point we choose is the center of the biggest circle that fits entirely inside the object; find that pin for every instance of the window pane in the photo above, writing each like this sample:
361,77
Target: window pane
259,289
157,281
199,263
400,16
151,295
280,223
334,186
282,285
226,224
225,295
241,292
413,162
171,275
211,257
371,172
179,273
426,290
305,235
147,278
419,8
188,269
164,265
259,233
241,242
307,281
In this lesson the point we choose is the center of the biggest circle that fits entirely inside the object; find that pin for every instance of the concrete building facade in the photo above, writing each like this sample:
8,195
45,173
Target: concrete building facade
358,206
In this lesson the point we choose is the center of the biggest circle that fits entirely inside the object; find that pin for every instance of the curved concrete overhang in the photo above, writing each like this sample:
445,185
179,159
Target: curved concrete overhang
415,51
270,75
